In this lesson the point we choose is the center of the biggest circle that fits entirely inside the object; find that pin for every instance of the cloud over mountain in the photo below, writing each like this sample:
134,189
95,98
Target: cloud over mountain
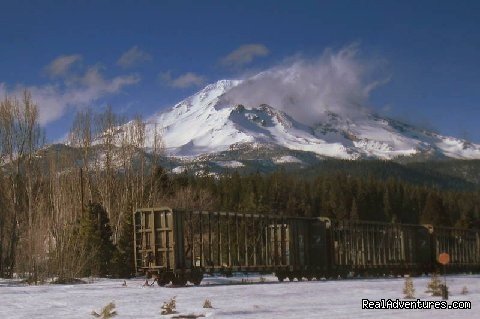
307,89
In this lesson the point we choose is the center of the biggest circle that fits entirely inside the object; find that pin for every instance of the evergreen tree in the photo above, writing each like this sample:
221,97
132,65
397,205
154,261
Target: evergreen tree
123,263
354,211
434,211
387,206
95,232
107,312
409,290
433,286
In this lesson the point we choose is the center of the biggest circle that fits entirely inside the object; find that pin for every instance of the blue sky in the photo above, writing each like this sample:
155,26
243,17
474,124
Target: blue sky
142,56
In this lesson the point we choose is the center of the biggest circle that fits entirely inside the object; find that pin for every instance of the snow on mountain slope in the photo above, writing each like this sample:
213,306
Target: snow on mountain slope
212,121
204,123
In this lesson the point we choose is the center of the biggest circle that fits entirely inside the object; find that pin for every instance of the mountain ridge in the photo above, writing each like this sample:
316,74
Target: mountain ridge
213,121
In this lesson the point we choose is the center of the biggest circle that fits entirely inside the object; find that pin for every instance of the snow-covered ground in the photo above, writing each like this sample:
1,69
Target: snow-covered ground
234,297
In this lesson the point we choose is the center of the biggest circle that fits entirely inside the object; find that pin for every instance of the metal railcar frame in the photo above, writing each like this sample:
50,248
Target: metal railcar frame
181,246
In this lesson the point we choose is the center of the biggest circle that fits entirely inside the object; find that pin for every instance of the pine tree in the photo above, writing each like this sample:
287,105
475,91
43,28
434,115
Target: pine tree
123,264
107,312
95,232
409,290
354,211
387,206
169,307
207,304
433,287
434,211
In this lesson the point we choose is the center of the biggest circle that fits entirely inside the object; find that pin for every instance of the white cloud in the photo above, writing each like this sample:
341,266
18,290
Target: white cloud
244,55
61,65
183,81
307,89
74,91
132,57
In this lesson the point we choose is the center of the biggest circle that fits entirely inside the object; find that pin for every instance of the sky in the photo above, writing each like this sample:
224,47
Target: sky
142,57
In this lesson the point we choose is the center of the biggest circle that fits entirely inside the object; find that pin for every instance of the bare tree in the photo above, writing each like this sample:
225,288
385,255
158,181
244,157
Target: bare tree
42,191
20,139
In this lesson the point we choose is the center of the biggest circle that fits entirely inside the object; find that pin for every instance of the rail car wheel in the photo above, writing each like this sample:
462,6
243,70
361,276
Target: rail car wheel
280,276
162,279
179,281
162,282
196,280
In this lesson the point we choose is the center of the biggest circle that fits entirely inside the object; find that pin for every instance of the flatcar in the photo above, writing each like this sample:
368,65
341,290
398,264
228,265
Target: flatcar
181,246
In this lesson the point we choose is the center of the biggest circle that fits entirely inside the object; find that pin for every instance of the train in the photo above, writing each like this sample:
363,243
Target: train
179,246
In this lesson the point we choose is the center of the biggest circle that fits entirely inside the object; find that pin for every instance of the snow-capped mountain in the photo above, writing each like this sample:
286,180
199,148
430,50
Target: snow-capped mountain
216,120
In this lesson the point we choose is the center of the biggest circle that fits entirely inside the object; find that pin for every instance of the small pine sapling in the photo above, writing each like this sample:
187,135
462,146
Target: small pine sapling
169,307
107,312
464,290
434,286
409,290
207,304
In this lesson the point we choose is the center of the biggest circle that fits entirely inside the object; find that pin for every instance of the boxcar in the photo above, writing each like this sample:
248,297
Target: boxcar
180,246
372,248
462,245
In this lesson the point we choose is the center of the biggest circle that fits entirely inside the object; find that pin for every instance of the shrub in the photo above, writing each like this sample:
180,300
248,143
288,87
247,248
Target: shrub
107,312
207,304
409,290
434,286
169,307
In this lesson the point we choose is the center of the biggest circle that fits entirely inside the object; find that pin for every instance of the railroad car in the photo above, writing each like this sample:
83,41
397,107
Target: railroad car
462,245
180,246
373,248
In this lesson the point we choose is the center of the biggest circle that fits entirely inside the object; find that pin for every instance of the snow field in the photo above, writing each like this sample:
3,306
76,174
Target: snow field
236,297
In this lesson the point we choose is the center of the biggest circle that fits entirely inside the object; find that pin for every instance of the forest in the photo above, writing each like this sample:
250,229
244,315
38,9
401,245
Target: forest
65,211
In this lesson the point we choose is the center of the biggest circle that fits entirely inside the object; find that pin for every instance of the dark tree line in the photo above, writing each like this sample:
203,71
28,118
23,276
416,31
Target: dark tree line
337,195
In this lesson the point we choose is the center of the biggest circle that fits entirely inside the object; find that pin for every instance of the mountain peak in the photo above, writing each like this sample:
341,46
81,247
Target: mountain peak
217,118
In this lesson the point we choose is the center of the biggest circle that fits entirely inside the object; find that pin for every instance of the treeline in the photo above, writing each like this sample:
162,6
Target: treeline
67,213
336,195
